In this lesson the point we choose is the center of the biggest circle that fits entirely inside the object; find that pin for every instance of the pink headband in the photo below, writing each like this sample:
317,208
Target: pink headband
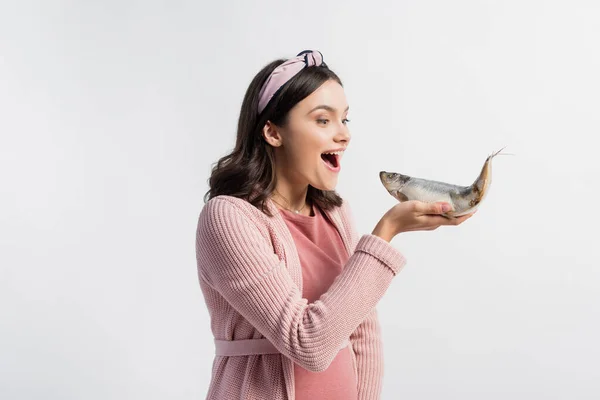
286,71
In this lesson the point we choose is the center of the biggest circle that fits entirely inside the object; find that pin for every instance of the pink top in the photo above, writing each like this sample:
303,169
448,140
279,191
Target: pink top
251,279
322,257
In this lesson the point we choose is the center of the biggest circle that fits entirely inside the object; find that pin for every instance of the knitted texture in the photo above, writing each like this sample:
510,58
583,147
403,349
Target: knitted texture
251,279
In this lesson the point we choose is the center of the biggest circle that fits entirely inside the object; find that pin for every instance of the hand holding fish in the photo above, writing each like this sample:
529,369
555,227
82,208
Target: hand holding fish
422,201
415,215
463,199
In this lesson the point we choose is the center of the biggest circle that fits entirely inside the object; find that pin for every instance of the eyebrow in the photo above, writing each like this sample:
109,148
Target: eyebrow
326,107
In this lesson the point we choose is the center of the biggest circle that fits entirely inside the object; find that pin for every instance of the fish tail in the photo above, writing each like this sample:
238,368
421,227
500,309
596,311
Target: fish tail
500,153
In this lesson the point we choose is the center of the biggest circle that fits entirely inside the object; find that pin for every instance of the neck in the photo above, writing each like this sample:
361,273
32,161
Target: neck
291,197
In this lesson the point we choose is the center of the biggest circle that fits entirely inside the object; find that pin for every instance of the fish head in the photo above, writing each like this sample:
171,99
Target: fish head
393,182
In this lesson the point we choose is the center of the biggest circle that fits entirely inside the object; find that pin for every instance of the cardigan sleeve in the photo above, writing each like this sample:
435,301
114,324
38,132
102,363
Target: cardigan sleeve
367,347
366,338
238,261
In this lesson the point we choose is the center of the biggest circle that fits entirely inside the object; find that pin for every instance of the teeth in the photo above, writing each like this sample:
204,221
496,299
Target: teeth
337,153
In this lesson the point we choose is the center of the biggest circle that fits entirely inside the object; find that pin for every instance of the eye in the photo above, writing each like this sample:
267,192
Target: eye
345,121
322,121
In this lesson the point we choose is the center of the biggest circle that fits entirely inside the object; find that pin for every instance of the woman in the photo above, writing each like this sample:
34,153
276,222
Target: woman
290,287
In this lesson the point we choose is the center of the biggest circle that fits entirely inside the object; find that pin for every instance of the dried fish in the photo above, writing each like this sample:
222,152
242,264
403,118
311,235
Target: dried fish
463,199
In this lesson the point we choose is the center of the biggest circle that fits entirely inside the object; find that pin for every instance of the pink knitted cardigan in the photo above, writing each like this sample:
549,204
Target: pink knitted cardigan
251,280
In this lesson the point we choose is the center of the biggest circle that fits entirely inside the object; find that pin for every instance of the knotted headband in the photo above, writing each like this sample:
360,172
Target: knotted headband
285,72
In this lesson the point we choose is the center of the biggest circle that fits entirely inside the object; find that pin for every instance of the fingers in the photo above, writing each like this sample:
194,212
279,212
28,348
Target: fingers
435,221
419,215
439,207
460,220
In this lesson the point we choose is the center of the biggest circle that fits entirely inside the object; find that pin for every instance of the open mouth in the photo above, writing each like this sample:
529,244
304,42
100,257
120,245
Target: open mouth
332,160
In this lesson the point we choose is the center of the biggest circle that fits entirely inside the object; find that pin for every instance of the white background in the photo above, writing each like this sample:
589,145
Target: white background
112,113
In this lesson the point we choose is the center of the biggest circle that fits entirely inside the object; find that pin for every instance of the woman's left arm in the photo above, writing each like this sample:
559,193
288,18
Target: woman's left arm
367,346
366,338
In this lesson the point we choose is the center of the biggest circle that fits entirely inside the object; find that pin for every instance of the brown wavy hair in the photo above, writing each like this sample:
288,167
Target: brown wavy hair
248,171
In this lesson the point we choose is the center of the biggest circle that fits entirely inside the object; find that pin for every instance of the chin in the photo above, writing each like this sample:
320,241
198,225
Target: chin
327,187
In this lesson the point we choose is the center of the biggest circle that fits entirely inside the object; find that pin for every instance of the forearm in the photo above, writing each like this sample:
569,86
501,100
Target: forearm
367,346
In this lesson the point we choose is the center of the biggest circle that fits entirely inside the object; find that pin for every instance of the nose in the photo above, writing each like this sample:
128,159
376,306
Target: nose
343,135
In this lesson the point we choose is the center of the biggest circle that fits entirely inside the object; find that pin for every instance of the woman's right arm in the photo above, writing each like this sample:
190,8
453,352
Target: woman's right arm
237,260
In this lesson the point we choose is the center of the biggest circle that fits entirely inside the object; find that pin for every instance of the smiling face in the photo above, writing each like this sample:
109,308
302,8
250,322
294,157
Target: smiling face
315,128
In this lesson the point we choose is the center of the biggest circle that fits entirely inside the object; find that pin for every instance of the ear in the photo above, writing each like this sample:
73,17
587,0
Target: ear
271,134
